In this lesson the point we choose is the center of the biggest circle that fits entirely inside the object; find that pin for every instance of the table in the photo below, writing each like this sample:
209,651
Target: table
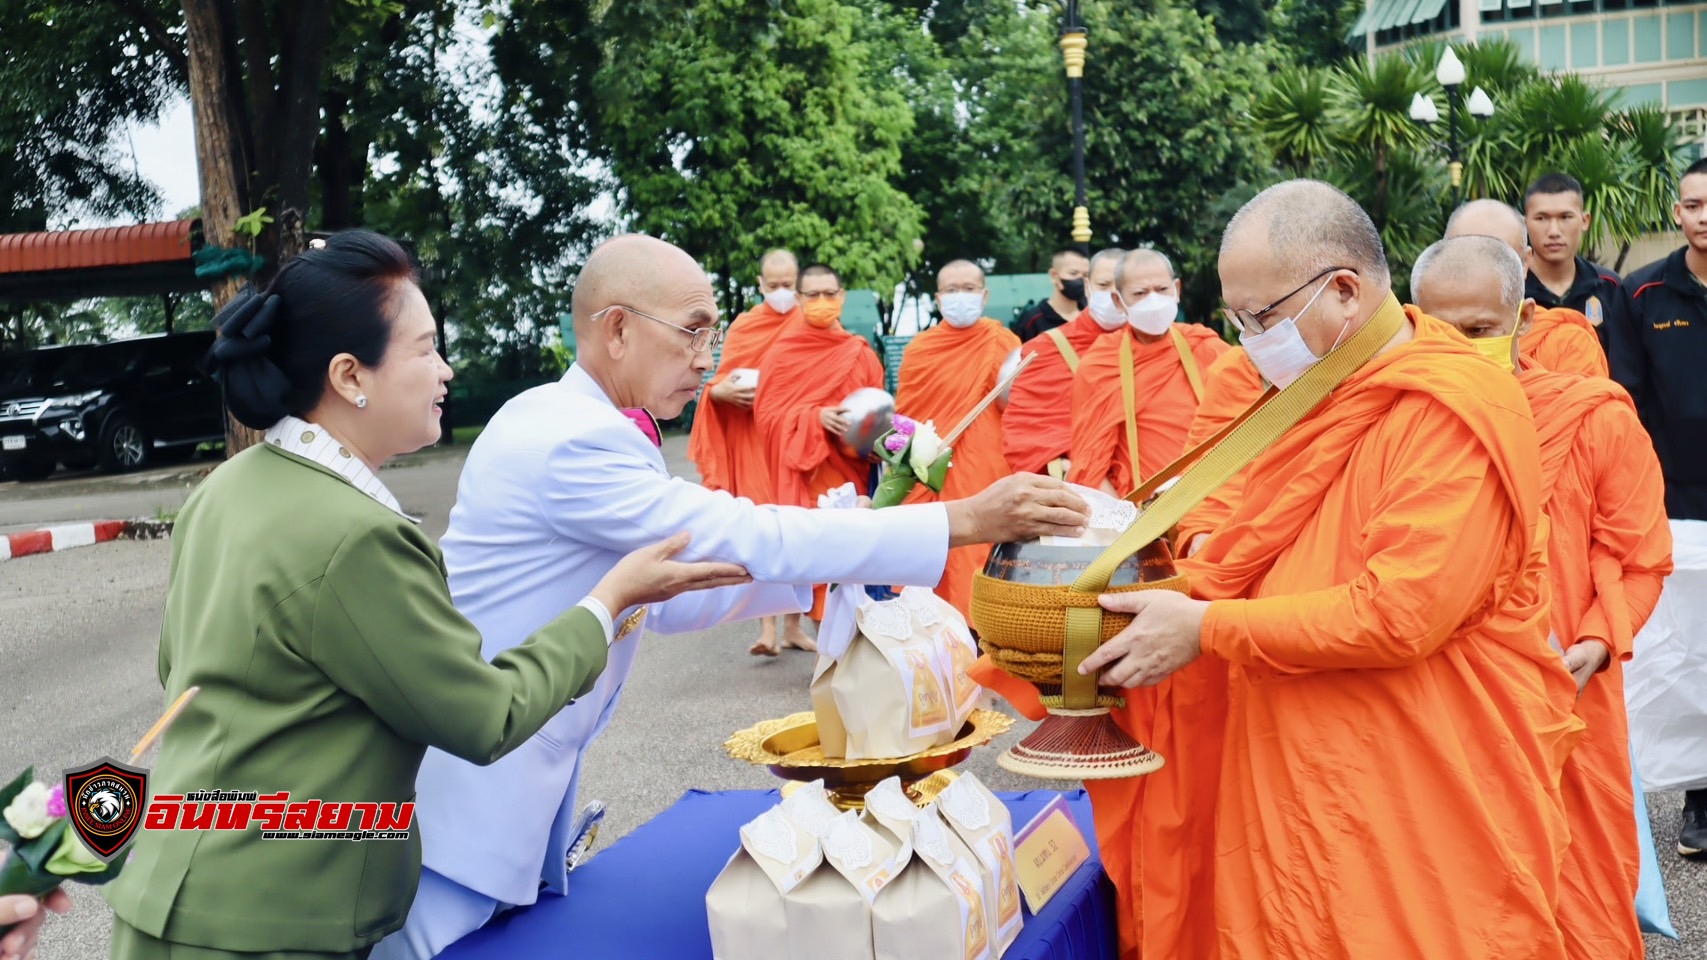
644,897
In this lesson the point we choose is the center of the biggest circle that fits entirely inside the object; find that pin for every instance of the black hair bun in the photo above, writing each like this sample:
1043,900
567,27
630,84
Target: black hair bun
256,390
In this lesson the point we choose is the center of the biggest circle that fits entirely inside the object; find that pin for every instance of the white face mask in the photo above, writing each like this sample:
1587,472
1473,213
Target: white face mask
961,310
1153,315
781,299
1279,353
1105,311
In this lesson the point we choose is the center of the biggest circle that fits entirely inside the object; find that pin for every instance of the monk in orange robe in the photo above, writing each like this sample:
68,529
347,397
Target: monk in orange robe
1560,339
803,379
1037,426
1608,552
1167,362
945,372
725,444
1396,722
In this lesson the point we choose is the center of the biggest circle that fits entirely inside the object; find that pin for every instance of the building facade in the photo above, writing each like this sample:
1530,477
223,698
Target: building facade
1647,51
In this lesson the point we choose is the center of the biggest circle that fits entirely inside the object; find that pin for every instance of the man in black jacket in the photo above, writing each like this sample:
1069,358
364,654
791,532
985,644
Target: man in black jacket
1067,271
1559,276
1659,353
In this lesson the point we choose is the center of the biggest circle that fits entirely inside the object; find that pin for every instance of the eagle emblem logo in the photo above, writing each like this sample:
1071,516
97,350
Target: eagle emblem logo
104,802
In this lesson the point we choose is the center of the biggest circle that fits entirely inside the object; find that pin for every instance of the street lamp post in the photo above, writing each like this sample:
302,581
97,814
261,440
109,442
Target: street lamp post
1451,75
1074,40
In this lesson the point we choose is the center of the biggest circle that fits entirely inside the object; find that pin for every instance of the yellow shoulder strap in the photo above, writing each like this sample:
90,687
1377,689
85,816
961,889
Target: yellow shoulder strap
1067,352
1189,360
1205,469
1129,403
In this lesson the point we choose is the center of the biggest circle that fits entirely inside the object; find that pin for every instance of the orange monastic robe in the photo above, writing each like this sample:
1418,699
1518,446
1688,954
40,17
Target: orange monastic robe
1397,723
1608,551
1164,400
1157,832
726,444
805,370
1233,386
1037,426
1563,341
944,373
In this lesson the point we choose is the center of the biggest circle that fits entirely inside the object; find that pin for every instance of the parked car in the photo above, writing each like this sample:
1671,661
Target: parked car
118,406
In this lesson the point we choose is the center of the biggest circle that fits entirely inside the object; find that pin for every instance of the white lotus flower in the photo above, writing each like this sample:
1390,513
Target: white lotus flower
27,813
927,446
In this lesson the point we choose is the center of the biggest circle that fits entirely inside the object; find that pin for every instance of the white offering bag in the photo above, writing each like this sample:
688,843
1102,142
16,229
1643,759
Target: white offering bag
1665,682
745,903
984,824
935,907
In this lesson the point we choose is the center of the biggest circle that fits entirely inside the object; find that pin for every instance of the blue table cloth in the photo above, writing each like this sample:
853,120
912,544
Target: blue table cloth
645,896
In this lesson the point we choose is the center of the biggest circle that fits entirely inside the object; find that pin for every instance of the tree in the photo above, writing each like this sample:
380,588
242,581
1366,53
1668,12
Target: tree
733,126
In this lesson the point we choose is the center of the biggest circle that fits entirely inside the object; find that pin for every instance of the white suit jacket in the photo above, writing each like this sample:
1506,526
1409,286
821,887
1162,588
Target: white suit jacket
557,488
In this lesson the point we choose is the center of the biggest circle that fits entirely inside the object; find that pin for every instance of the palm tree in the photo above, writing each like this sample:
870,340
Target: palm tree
1374,103
1295,118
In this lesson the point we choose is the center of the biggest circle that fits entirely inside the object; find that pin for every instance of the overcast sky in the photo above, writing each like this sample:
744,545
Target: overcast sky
166,156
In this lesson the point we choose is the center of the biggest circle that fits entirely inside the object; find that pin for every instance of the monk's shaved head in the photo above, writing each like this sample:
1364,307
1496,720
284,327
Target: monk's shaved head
1145,258
779,259
1490,218
960,271
636,306
1478,266
1310,226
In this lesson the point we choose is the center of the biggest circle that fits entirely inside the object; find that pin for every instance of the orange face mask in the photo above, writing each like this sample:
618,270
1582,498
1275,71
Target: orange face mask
822,313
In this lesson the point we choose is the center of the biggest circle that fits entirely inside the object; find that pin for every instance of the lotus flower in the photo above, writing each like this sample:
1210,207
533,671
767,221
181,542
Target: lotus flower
27,813
927,446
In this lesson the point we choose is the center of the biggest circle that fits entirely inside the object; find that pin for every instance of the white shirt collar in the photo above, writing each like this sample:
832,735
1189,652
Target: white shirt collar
312,442
578,380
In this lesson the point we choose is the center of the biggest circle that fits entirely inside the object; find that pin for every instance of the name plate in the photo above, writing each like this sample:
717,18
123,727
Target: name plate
1047,851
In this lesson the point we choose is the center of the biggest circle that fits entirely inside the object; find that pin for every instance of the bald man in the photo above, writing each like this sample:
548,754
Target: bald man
1558,338
558,486
1037,426
1608,553
945,371
726,445
1396,722
1120,436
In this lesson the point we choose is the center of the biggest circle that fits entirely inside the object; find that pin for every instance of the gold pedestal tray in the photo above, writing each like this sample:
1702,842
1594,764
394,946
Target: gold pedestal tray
789,747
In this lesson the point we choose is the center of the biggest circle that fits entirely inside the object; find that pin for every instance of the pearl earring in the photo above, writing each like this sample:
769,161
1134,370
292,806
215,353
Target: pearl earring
361,400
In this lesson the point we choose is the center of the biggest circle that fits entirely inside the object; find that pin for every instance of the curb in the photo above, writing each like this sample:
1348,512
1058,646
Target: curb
67,536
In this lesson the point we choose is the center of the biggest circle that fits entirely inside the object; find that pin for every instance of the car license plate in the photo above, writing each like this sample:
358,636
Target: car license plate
12,443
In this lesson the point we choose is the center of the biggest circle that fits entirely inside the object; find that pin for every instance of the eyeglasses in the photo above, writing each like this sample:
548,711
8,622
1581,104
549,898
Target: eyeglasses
700,340
822,294
1249,321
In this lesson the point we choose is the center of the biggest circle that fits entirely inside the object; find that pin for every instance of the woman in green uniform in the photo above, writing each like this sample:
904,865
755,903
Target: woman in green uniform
315,617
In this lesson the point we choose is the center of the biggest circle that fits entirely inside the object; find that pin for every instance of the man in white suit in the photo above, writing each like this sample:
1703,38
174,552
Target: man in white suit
559,486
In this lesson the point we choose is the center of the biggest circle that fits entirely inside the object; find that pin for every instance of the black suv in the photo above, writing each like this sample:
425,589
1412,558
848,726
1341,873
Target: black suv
114,405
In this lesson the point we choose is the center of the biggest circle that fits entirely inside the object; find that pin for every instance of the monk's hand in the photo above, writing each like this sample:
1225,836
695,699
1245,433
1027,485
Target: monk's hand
28,914
1586,658
835,424
1023,506
1196,544
728,392
1162,638
649,575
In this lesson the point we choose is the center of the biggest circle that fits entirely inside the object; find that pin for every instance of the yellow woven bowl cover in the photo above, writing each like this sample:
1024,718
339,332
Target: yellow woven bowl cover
1027,618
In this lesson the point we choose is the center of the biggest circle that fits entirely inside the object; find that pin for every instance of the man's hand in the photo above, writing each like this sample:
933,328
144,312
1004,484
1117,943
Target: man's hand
28,915
648,575
833,422
1584,659
1023,506
727,392
1161,640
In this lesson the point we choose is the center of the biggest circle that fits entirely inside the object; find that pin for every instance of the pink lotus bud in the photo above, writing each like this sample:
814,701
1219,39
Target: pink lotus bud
56,801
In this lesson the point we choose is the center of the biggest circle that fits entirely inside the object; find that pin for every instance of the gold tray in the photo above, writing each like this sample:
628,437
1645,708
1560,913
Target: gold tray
789,747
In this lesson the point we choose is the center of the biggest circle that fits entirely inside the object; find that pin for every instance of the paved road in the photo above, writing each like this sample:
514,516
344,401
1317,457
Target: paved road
78,632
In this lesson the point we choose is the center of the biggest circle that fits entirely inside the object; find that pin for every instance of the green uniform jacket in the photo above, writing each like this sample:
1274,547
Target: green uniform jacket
319,626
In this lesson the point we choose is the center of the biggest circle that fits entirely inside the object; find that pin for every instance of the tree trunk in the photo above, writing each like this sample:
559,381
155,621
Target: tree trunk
220,161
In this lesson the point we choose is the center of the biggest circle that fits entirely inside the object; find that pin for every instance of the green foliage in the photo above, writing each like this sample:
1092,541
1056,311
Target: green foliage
1351,125
1314,32
734,126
